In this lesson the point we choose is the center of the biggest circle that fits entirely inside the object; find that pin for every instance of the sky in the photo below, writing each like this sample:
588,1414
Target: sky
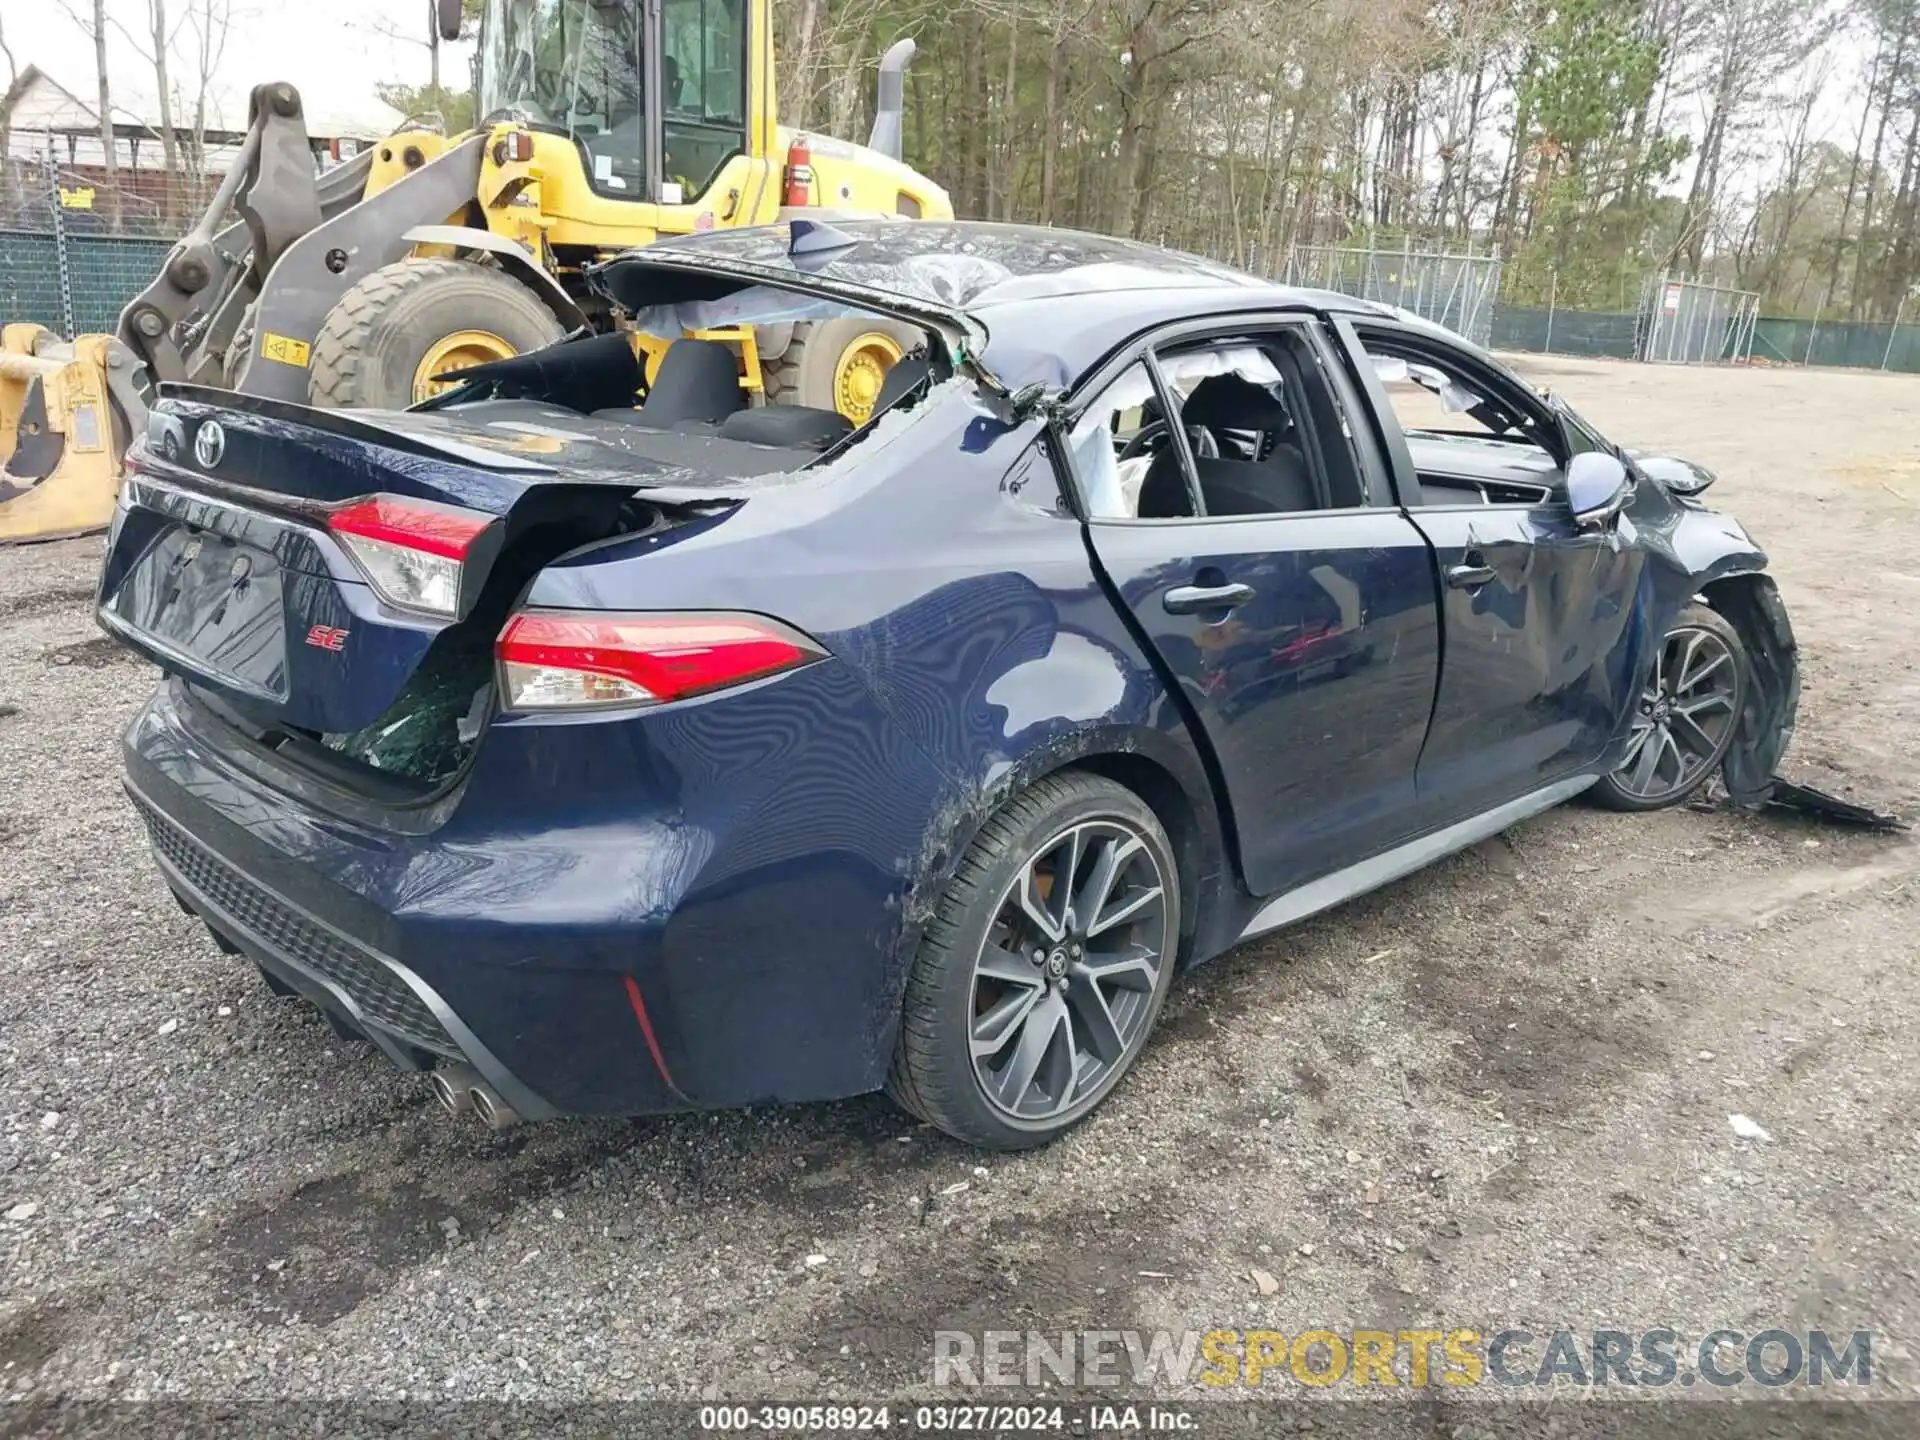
333,51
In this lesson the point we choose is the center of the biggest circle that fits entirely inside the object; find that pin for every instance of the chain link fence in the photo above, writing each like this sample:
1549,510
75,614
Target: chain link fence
1456,291
74,284
1688,322
1549,330
1679,321
1817,342
58,269
71,258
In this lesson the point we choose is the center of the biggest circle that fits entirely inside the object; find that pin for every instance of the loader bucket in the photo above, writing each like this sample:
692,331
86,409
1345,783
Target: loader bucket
66,412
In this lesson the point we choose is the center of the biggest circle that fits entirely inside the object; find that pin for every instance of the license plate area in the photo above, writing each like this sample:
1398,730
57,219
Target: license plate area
212,603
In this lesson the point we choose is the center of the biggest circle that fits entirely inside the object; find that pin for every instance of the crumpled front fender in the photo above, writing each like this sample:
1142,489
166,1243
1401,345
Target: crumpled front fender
1752,605
1699,552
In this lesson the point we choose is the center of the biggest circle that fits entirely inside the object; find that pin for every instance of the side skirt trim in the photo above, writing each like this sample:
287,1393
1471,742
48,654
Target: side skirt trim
1416,854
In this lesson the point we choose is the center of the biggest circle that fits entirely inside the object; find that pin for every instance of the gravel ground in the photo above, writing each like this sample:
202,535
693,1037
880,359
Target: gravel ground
1496,1093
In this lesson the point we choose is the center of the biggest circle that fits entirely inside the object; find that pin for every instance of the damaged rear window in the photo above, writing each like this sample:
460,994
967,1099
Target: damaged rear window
430,729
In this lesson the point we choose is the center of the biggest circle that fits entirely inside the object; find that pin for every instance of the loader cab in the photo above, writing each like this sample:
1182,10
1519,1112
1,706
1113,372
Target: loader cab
667,105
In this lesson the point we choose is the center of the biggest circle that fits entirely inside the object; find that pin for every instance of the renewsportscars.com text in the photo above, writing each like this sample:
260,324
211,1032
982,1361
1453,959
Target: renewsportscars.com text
1653,1359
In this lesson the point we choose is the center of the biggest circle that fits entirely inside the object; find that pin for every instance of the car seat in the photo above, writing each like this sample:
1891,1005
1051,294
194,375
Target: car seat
1279,481
906,373
792,427
696,380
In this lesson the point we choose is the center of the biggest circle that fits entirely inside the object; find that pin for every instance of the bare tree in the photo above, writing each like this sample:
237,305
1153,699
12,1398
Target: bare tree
1552,129
1751,44
208,23
152,46
93,24
435,100
13,79
163,86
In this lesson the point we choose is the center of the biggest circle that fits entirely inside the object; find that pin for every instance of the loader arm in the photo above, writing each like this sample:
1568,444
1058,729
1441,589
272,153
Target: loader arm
209,332
175,324
334,256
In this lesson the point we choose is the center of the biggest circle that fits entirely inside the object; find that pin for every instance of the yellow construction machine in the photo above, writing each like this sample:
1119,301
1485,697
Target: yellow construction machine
65,410
606,124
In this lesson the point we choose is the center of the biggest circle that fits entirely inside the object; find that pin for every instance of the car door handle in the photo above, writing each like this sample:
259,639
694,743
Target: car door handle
1188,599
1469,575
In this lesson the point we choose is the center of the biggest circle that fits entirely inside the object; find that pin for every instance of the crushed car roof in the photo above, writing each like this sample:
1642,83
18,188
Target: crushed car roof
963,264
1044,300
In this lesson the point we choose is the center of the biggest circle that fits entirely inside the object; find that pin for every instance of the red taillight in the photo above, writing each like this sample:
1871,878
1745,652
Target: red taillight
571,660
444,530
412,551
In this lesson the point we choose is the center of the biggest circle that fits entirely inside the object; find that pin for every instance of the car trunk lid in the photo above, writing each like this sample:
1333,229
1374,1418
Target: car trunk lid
272,555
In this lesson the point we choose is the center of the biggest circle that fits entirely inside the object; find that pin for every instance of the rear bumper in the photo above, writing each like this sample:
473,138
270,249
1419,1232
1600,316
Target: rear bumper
410,1023
587,950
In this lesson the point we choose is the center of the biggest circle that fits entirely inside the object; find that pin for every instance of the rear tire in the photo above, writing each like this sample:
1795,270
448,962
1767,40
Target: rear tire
809,372
374,343
977,1000
1685,718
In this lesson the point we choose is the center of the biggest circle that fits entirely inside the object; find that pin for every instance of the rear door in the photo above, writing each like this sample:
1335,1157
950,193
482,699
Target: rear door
1290,605
1539,615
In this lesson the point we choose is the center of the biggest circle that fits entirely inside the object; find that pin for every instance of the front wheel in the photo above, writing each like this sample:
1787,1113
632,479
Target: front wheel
1685,718
1044,968
385,341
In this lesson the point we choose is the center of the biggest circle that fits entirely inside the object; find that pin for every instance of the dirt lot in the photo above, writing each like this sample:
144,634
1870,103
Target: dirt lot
1496,1093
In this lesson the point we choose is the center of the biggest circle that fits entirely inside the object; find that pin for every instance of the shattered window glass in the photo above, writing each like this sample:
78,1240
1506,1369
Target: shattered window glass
1110,484
428,732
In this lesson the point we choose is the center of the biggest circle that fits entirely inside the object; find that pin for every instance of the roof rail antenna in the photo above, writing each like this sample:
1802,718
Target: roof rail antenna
816,237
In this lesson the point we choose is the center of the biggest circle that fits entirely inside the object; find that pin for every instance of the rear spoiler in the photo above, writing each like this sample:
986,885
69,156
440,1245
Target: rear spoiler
167,435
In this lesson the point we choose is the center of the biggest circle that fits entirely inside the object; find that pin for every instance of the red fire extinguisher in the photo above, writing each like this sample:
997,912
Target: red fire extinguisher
799,178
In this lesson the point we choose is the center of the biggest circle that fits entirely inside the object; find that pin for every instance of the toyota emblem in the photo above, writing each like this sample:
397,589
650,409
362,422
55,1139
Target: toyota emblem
209,444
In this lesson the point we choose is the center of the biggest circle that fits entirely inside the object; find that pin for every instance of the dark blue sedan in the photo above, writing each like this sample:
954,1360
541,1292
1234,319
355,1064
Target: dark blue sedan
608,747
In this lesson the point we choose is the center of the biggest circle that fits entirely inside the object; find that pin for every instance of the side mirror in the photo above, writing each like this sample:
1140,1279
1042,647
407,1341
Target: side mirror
1682,477
447,18
1596,488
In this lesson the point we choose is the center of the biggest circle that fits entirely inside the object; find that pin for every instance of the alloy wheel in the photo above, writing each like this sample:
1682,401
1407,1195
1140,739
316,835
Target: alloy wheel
1685,717
1065,980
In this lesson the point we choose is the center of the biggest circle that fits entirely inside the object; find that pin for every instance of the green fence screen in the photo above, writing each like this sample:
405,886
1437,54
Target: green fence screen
29,278
104,271
108,271
1798,342
1564,332
1870,347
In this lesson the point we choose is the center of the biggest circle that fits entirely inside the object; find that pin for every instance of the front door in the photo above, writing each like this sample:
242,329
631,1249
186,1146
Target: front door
1540,648
1542,621
1295,617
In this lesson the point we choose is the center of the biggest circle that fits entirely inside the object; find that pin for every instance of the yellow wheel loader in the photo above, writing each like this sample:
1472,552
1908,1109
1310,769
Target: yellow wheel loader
606,124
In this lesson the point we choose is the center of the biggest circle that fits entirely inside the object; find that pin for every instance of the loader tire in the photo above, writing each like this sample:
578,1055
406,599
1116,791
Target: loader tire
839,364
380,343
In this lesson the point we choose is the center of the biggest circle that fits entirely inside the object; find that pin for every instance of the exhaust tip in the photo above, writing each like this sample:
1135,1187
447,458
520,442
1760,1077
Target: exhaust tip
451,1087
494,1112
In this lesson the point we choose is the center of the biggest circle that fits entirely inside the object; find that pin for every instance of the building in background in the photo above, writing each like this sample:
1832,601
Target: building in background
55,154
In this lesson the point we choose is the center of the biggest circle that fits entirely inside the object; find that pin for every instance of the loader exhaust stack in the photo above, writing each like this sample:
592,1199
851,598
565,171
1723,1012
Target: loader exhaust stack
890,111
